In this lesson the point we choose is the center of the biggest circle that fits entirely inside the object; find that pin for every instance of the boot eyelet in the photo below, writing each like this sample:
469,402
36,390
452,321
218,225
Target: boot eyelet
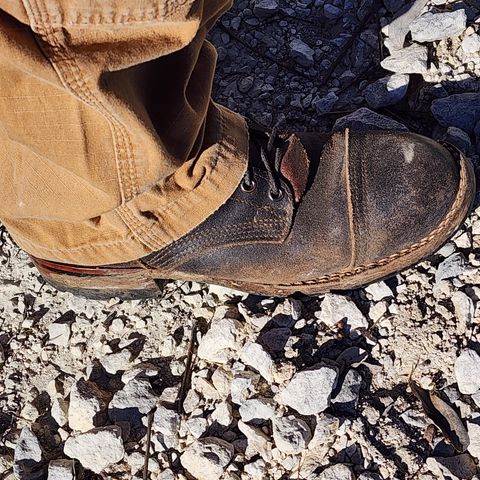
276,197
248,188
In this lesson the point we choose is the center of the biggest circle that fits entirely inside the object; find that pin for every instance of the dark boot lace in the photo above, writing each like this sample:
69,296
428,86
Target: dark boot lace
271,158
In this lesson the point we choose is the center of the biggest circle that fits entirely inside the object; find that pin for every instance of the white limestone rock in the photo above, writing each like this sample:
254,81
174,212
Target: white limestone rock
59,411
88,404
61,469
431,27
257,409
97,448
166,421
467,367
337,472
116,362
253,355
291,435
207,458
412,59
220,340
338,308
309,392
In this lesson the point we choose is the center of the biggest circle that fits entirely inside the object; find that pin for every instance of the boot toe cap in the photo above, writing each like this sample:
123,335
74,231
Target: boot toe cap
407,190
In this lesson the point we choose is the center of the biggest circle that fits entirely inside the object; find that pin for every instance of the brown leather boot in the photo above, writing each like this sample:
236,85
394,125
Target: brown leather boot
312,214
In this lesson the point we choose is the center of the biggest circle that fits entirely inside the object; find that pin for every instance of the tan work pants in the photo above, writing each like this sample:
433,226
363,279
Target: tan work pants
110,145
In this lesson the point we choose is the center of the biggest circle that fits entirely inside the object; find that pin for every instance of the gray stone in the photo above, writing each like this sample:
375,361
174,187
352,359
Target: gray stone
346,400
59,333
338,308
219,341
29,457
301,52
398,28
438,26
387,91
207,458
412,59
474,434
197,426
61,470
414,419
257,409
464,308
467,366
257,470
378,291
332,12
309,392
364,119
245,84
458,138
133,401
116,362
265,8
461,110
291,435
253,355
59,411
459,467
88,406
325,104
28,447
97,448
471,44
337,472
166,421
276,339
451,267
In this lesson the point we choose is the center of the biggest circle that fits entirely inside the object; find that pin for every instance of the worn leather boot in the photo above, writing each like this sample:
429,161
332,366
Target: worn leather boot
313,213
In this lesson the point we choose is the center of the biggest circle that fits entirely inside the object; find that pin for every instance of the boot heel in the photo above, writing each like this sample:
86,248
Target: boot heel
127,281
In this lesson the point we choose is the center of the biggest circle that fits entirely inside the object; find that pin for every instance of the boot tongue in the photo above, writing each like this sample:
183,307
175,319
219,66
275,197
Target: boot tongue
295,166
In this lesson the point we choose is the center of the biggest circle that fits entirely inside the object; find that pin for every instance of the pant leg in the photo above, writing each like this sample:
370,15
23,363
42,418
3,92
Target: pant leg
111,145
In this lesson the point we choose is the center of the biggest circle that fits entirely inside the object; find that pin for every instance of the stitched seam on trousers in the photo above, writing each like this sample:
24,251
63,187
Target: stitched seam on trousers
401,253
139,230
146,15
123,144
151,239
219,153
225,231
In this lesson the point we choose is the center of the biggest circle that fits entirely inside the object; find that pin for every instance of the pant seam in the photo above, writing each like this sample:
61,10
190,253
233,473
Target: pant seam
72,77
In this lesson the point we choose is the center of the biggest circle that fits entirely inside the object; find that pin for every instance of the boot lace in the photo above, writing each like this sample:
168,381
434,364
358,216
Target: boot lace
271,158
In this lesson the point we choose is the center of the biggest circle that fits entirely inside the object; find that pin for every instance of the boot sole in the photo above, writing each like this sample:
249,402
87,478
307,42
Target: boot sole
139,281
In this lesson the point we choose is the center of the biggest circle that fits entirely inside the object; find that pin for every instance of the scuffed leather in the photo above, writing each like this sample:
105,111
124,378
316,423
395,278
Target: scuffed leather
370,195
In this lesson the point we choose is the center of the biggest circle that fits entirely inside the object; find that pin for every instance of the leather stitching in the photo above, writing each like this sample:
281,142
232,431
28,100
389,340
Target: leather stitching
216,233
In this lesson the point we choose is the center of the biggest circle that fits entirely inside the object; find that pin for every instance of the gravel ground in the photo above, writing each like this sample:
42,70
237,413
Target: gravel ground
376,383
